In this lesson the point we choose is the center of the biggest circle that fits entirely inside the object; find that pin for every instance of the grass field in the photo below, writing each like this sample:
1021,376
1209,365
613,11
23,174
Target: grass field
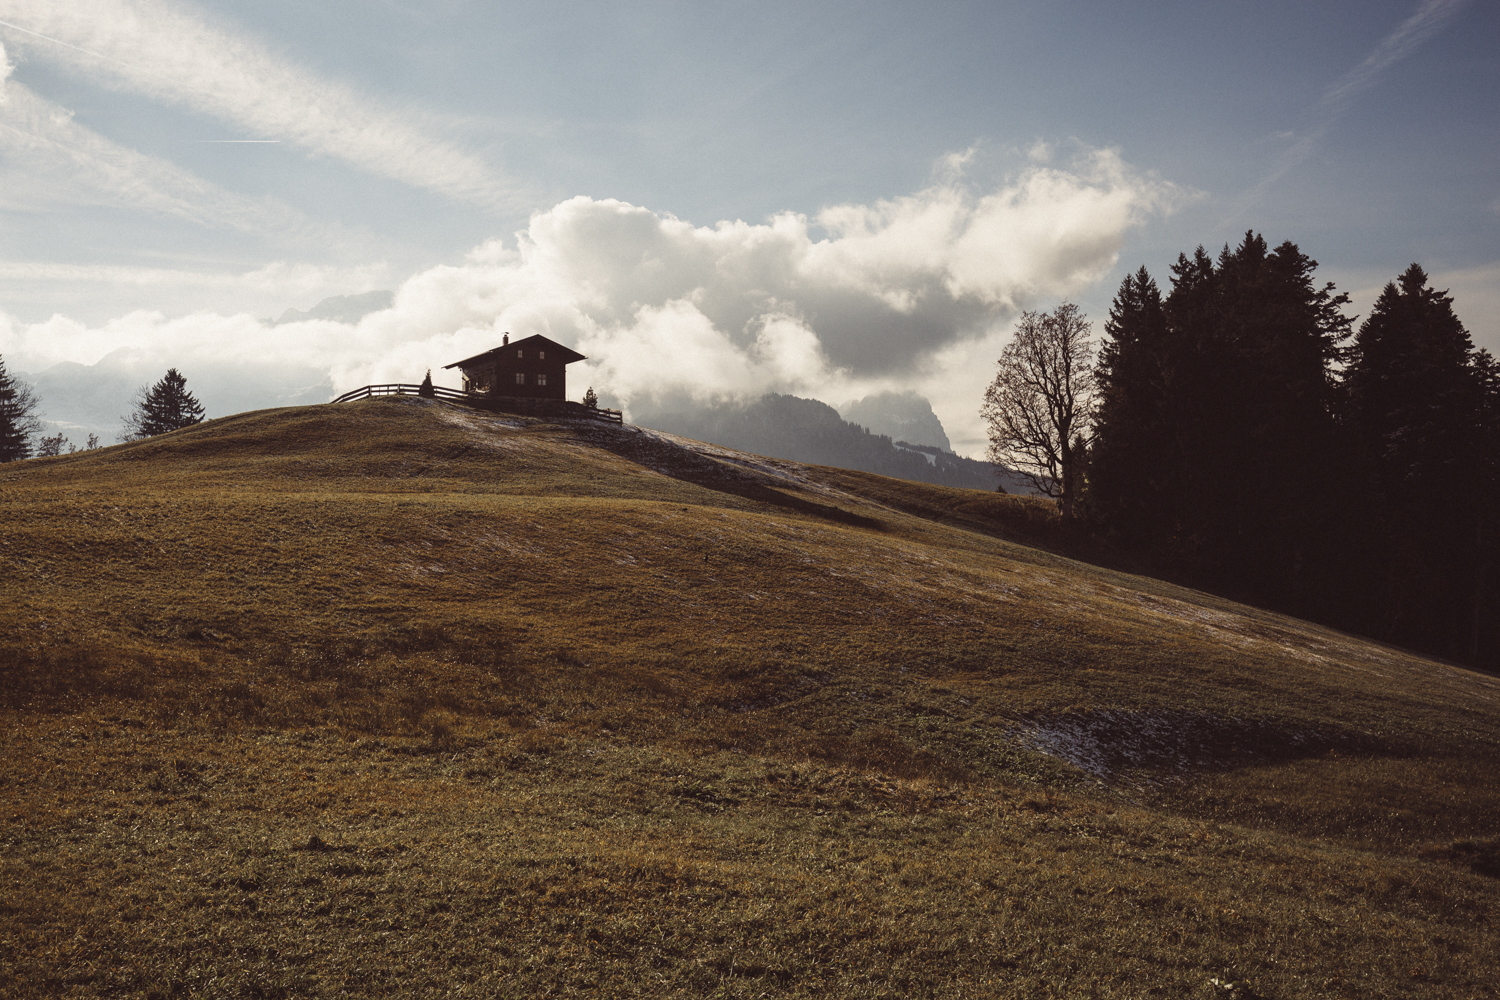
396,698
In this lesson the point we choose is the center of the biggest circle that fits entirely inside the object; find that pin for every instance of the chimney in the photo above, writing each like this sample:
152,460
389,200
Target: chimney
506,341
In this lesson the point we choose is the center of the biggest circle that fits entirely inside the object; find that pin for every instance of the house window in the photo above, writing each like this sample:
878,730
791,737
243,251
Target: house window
520,353
520,379
542,355
541,379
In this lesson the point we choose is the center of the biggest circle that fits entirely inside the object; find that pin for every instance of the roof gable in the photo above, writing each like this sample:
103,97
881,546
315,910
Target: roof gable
535,342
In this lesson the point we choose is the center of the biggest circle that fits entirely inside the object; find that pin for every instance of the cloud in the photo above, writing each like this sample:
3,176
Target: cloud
49,157
858,298
1431,17
96,293
167,51
280,278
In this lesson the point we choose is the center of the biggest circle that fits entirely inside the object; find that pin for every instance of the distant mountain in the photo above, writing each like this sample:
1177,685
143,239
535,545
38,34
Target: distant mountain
78,400
807,430
342,308
949,469
900,416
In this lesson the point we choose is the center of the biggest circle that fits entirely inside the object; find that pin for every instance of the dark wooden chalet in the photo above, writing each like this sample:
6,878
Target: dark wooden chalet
531,368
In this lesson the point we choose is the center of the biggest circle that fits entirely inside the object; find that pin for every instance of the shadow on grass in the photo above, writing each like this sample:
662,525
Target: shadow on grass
700,470
1482,857
1172,745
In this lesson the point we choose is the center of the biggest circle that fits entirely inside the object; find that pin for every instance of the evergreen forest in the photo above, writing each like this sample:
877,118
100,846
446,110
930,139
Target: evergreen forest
1251,439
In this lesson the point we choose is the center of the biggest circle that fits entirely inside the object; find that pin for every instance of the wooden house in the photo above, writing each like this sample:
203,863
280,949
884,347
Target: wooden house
531,368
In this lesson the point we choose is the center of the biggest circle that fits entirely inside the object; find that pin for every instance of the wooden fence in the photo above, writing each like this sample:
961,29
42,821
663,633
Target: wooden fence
402,389
482,401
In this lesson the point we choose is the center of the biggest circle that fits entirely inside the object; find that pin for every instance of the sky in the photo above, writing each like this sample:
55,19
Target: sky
827,199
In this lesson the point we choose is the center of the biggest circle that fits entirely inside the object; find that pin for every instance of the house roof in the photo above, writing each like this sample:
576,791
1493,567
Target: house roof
534,342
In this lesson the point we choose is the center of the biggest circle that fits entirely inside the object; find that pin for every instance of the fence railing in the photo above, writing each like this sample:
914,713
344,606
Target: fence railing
402,389
555,407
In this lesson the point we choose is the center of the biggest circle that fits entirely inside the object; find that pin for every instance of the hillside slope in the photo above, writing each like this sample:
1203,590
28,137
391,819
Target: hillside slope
415,698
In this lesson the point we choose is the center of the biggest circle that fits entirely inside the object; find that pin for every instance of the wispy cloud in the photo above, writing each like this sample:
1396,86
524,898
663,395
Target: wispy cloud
48,157
1430,18
288,282
97,293
166,50
56,41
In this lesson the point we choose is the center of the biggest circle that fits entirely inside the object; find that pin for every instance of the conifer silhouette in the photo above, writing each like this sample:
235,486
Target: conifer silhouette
166,406
18,420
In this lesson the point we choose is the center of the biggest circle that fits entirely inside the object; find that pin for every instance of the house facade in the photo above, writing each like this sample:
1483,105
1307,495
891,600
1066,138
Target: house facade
531,368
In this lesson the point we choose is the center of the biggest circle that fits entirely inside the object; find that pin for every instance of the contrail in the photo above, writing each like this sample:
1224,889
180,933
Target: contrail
66,45
231,140
1429,19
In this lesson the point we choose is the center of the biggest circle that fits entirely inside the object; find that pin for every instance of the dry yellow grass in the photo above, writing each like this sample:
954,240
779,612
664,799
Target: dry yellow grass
396,698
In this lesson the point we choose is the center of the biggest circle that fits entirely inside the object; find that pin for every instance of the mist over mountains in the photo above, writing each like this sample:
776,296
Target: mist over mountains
807,430
78,400
900,416
340,308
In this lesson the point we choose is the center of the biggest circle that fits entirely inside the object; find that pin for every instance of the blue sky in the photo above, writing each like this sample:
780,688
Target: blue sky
950,165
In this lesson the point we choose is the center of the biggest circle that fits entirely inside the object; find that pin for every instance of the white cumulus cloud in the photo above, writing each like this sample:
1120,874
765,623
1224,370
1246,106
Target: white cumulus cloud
915,291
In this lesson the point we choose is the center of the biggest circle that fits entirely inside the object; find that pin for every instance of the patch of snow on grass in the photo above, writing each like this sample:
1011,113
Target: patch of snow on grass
1113,743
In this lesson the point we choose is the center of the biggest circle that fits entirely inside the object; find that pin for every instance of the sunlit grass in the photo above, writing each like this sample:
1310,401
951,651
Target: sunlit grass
571,708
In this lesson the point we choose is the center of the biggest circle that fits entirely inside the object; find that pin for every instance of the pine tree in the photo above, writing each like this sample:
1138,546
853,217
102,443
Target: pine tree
1414,390
18,419
1420,411
1215,437
1240,443
166,406
1129,484
1273,463
1484,630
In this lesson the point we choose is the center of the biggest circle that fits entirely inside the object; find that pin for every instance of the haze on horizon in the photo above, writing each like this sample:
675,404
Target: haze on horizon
777,197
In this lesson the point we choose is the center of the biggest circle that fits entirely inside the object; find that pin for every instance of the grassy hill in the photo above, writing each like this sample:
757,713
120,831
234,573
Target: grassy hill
399,699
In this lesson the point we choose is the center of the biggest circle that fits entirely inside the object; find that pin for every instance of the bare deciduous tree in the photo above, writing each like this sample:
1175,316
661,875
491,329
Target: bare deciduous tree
1040,405
51,447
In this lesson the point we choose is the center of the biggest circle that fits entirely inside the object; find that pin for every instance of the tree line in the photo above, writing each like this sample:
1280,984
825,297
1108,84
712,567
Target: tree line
165,406
1238,433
